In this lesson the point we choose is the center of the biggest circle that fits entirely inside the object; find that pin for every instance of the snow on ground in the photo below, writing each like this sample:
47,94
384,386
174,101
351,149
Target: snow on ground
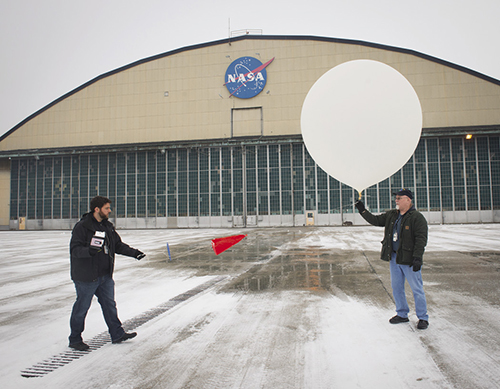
456,237
290,337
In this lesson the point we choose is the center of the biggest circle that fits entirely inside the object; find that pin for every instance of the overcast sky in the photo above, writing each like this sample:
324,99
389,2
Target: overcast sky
50,47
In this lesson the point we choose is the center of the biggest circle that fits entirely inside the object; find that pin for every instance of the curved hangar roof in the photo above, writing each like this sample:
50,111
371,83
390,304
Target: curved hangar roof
171,98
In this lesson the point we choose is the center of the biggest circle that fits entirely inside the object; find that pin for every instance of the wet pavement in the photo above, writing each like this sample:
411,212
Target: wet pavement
297,308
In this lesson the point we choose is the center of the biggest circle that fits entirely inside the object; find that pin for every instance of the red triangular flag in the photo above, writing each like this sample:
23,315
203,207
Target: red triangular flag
222,244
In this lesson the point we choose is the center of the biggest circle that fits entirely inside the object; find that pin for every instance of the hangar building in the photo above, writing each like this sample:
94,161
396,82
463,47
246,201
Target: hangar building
209,136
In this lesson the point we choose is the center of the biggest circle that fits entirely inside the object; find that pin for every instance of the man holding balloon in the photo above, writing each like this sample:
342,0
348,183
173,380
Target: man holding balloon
405,238
361,106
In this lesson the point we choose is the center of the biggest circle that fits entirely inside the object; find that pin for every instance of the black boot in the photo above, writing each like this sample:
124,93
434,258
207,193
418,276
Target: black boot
125,336
398,319
79,346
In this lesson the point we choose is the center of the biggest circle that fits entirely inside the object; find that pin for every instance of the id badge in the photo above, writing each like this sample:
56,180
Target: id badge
106,251
96,242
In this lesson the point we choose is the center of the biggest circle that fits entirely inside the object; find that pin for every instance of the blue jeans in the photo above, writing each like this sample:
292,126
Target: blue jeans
400,273
104,289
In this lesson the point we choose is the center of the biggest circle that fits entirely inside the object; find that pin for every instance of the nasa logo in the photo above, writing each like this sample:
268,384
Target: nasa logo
246,77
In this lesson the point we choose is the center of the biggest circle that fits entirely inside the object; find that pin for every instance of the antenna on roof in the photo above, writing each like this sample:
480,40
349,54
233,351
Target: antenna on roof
246,32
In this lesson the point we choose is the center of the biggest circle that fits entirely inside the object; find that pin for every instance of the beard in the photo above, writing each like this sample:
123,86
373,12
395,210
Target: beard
102,215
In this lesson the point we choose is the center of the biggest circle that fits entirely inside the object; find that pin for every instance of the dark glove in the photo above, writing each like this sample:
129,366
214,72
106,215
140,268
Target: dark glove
417,264
139,255
360,206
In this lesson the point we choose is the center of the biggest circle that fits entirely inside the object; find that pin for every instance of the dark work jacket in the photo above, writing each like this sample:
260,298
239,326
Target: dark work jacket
412,240
85,267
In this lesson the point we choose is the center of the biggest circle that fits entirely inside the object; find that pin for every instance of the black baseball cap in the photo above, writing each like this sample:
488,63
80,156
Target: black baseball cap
404,192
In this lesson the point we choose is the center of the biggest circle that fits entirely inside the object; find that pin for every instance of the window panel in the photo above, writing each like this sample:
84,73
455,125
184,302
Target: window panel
310,177
214,158
103,175
141,206
274,156
151,206
171,205
39,189
204,204
348,198
226,158
262,157
485,194
251,203
334,196
286,202
57,191
432,150
472,198
193,204
286,156
447,198
396,182
93,175
161,205
226,204
408,175
238,204
215,204
274,179
322,201
263,203
371,199
182,205
31,189
274,202
310,200
112,176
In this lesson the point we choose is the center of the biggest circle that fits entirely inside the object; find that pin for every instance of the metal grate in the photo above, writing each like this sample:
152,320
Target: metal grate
42,368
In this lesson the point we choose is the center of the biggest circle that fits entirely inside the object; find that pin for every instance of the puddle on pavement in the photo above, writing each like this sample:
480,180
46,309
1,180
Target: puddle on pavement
325,271
263,262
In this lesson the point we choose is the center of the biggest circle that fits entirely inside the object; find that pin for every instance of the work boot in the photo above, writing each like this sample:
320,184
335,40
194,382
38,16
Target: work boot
79,346
422,324
125,336
398,319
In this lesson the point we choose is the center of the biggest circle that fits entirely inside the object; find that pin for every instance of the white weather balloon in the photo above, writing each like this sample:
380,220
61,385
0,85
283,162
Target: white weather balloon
361,122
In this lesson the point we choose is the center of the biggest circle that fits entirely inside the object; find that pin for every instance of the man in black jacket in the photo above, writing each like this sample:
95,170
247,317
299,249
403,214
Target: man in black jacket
405,238
93,245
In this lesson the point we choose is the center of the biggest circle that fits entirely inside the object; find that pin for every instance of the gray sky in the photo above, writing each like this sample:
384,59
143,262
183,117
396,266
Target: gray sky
53,46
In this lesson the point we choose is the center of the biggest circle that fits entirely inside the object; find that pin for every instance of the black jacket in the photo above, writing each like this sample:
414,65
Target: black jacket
414,232
84,266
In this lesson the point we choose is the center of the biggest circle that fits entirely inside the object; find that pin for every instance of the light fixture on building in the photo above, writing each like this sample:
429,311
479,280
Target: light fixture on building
468,136
165,94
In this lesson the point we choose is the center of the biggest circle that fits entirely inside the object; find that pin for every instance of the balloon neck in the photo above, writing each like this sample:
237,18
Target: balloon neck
360,195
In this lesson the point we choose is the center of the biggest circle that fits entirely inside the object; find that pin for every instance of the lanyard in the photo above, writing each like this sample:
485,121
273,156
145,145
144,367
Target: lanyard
397,228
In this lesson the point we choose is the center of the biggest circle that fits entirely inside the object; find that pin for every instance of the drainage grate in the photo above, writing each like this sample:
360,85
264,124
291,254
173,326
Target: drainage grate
42,368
